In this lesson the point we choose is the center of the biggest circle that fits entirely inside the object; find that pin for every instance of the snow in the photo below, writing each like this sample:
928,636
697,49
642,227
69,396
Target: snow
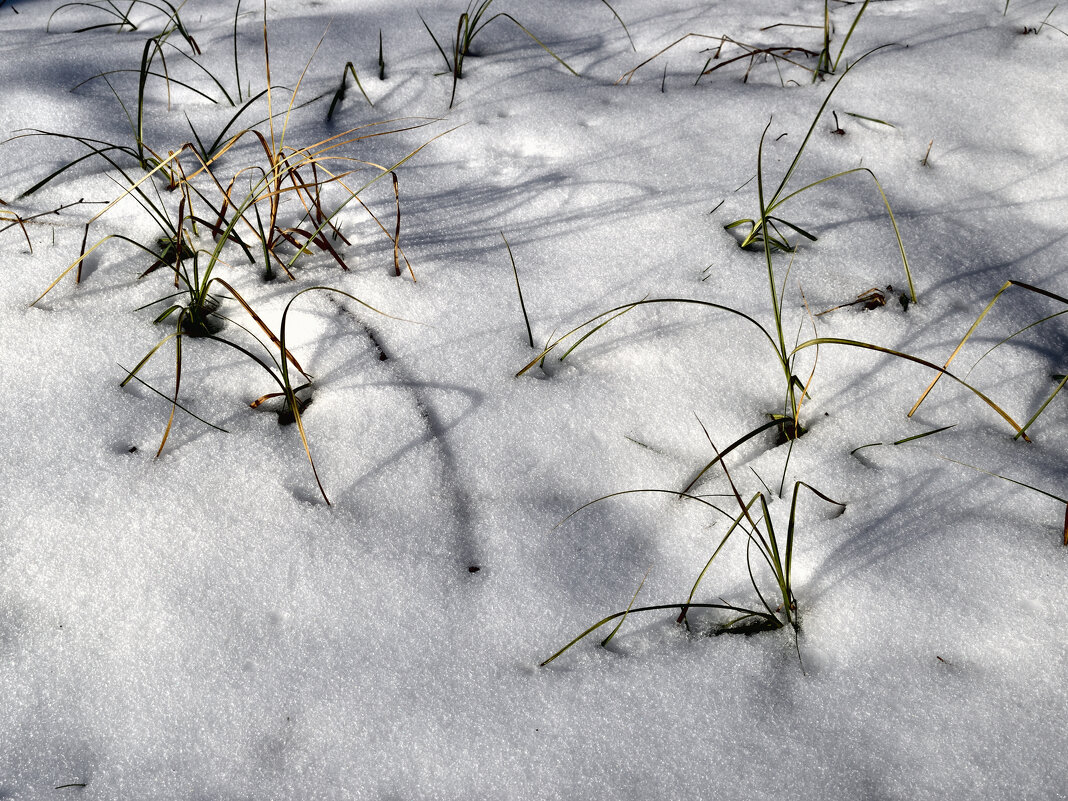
204,624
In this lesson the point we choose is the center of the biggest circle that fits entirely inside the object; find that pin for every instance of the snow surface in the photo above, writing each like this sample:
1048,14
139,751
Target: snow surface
204,625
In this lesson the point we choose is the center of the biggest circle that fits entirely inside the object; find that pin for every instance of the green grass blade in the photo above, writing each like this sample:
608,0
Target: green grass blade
870,119
656,608
1011,336
519,289
289,391
644,302
738,442
796,228
815,121
737,521
886,203
437,44
608,639
237,61
793,515
339,95
166,397
852,28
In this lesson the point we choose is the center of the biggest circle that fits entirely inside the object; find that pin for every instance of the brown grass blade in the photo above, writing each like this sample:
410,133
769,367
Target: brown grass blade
908,357
263,326
975,325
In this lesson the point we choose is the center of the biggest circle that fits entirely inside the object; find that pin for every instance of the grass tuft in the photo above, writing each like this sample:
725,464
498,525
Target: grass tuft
765,227
213,202
789,55
761,536
472,21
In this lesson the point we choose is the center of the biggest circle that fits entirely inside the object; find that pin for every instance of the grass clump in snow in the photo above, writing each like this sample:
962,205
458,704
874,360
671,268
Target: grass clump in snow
114,17
471,23
765,227
779,55
275,211
278,369
755,521
252,200
787,421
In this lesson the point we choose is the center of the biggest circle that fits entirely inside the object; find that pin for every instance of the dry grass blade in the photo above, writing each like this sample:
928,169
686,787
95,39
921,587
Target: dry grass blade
752,53
972,329
777,53
262,325
20,222
908,357
627,76
77,265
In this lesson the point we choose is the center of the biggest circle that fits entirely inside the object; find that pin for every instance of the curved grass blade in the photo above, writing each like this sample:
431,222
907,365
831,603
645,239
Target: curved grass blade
644,302
886,203
619,19
1042,408
917,360
339,95
975,325
793,514
737,521
290,393
658,607
535,38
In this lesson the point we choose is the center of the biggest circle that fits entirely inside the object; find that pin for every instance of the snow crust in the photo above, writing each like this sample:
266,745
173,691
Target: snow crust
204,625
